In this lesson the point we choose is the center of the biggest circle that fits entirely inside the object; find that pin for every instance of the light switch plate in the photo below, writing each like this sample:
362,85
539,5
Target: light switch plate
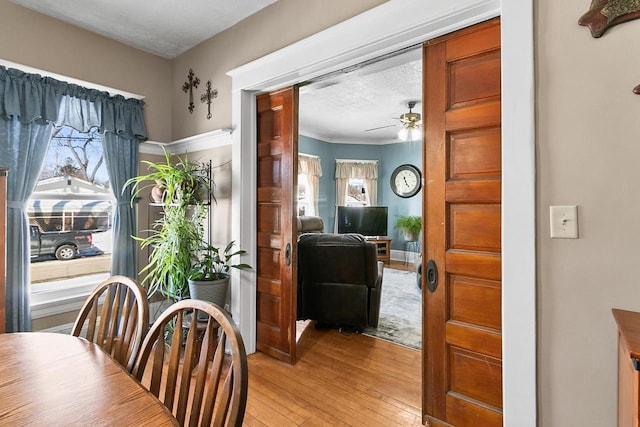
564,222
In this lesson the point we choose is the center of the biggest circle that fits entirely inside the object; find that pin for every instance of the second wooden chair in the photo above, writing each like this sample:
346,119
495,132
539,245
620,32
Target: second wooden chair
194,377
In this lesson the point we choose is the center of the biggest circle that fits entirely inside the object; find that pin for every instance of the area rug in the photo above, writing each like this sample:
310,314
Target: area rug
400,310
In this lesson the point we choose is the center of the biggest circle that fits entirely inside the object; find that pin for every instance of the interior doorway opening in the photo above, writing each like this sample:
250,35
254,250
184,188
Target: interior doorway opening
358,114
381,30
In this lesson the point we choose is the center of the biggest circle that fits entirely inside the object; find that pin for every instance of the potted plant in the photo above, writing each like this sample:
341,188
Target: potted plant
410,226
181,182
209,276
176,236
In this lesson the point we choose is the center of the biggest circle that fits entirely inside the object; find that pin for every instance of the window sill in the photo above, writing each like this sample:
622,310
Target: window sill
57,297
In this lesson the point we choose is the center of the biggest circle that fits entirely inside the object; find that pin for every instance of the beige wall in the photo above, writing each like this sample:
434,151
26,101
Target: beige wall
35,40
588,149
274,27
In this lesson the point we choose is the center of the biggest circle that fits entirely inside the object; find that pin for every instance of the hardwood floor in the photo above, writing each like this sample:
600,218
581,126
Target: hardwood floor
339,380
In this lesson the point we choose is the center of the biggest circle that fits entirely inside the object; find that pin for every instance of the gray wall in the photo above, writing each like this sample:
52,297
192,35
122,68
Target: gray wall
389,157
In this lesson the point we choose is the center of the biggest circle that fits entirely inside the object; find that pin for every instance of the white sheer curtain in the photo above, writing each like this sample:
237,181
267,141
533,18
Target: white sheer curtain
310,166
366,170
342,185
371,184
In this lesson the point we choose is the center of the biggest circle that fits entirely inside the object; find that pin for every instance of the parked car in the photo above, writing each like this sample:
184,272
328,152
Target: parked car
64,245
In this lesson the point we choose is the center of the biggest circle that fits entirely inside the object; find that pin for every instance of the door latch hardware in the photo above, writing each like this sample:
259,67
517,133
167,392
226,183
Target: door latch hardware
432,276
287,255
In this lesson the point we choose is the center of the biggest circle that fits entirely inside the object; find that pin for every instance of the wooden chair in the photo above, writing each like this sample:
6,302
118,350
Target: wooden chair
207,386
120,324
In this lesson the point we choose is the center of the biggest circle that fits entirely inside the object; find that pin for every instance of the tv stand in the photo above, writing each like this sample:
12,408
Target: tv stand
383,244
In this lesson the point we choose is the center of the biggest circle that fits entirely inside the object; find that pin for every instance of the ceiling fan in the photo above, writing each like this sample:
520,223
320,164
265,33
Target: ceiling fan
411,124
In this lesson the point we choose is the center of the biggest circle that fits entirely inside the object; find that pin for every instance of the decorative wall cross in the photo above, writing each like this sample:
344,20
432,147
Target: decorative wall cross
207,96
189,86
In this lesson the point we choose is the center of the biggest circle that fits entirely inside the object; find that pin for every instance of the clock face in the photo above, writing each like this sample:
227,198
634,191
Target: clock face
406,181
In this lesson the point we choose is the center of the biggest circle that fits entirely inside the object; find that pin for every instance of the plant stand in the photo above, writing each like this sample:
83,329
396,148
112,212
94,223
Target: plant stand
410,246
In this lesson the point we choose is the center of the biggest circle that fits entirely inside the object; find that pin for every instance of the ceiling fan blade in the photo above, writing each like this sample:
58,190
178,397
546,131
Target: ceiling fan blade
380,127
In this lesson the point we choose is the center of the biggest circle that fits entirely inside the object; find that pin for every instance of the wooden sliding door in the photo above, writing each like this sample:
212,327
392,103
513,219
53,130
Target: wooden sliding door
462,383
277,178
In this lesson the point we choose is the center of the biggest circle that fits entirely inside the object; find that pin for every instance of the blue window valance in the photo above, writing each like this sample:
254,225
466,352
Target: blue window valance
32,97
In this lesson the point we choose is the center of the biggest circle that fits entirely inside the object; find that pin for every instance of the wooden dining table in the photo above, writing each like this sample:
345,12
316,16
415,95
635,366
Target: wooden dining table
49,379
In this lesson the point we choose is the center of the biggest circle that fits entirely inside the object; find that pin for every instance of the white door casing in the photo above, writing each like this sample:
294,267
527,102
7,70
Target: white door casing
387,28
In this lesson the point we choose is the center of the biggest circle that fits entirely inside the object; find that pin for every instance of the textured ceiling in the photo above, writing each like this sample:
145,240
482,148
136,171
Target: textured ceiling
348,107
165,28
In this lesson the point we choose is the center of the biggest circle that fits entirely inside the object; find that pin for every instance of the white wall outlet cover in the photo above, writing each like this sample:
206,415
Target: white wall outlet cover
564,222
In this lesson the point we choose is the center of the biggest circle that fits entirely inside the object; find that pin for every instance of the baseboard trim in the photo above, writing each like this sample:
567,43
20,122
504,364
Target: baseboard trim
403,256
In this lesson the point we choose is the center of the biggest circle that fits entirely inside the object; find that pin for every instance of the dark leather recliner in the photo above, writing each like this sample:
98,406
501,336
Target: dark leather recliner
339,280
310,224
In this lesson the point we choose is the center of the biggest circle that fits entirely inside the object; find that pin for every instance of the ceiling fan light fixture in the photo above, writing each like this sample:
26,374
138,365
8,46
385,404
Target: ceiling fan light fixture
411,124
409,118
412,133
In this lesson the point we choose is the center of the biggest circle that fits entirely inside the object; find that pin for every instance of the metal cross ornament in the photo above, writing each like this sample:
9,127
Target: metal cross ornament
207,96
188,86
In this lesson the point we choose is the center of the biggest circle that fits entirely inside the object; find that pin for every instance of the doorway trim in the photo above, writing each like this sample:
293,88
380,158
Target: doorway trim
387,28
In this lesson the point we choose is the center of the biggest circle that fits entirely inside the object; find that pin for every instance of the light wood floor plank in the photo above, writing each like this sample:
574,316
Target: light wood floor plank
339,380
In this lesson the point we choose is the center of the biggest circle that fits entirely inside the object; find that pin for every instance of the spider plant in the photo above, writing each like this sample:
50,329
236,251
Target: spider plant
177,235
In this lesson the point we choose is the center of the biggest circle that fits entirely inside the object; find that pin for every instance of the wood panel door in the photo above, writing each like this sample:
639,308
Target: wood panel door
277,178
462,375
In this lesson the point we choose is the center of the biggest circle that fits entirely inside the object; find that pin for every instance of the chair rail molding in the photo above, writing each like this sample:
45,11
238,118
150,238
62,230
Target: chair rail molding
204,141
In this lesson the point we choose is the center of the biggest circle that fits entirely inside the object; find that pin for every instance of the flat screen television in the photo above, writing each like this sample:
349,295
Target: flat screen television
365,220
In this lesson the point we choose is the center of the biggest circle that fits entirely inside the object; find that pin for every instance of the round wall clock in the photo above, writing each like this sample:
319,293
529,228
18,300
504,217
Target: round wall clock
406,180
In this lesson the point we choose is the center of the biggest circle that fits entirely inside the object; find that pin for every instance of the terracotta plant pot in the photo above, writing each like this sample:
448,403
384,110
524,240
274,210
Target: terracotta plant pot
157,192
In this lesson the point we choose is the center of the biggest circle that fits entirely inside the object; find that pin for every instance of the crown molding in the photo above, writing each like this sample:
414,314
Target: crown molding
343,141
204,141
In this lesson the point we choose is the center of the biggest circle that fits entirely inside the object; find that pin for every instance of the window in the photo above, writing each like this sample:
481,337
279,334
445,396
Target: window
73,190
356,182
73,200
357,194
309,173
305,197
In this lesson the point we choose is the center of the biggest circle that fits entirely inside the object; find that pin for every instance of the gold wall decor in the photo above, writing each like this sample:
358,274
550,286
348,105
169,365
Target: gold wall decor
604,14
188,86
